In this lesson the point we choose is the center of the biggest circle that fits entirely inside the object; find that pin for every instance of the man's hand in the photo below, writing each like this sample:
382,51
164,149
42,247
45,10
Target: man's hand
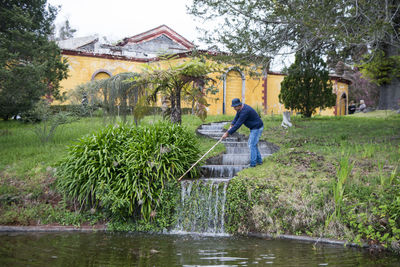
225,135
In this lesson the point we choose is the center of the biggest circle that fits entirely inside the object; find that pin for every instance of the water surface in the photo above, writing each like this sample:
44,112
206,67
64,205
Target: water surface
128,249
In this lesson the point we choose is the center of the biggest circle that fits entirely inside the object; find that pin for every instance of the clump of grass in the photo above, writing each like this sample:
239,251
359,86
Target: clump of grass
385,179
368,150
338,187
124,169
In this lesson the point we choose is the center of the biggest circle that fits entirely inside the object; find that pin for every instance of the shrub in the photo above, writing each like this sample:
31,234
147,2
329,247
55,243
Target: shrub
124,169
307,86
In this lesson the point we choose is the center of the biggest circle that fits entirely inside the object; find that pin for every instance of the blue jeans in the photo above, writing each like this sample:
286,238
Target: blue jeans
255,156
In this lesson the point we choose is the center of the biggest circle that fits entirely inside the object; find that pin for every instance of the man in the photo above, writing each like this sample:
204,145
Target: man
248,116
352,107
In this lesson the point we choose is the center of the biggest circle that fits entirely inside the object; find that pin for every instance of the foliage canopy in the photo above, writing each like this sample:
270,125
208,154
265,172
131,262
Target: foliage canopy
66,31
30,65
342,30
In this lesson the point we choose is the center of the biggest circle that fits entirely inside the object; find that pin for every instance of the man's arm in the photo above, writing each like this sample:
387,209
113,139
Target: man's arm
225,135
243,116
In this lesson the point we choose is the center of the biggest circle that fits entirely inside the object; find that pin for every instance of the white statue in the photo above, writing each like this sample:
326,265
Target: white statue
286,120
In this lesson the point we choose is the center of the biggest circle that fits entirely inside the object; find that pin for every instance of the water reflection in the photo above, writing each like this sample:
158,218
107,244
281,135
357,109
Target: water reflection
119,249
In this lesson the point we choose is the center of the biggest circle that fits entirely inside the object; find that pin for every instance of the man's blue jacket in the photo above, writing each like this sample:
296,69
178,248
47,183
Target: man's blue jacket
247,116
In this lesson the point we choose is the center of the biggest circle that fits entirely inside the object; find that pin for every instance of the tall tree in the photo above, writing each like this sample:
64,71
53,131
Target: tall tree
343,30
30,65
307,86
176,80
66,31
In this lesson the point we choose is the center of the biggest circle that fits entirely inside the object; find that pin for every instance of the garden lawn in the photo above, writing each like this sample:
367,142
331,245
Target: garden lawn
303,190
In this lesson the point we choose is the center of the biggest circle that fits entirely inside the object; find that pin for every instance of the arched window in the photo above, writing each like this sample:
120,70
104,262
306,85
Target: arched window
101,74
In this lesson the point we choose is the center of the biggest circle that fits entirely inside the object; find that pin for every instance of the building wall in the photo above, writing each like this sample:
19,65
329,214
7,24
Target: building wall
273,90
216,100
83,69
233,90
340,88
342,99
254,92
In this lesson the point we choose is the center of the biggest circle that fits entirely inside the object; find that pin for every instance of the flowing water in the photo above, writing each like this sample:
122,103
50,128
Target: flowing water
202,207
121,249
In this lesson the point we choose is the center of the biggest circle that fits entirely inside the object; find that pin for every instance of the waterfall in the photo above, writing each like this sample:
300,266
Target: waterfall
202,207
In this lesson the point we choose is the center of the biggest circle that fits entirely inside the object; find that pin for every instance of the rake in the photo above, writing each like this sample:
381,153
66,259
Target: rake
219,141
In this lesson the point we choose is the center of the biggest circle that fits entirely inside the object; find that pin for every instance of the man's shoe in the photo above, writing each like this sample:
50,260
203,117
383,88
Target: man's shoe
259,163
252,166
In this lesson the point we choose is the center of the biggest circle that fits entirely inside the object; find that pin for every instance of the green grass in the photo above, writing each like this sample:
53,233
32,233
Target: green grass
23,154
376,114
305,173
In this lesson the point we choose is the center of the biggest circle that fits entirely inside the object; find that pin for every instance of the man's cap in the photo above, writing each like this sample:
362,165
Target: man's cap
236,102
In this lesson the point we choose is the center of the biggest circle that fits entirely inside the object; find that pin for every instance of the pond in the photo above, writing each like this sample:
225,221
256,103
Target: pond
132,249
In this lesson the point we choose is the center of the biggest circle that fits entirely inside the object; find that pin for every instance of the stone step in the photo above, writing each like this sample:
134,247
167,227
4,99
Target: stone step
213,126
212,133
219,171
238,159
228,139
208,180
246,150
242,144
215,179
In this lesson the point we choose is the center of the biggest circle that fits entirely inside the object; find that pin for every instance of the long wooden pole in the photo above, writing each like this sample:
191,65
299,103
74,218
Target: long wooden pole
219,141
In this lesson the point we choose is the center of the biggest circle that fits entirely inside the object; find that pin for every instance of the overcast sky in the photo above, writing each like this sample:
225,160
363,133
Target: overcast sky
117,19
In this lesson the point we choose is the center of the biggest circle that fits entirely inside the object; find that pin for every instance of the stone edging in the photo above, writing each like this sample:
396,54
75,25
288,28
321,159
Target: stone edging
44,228
307,239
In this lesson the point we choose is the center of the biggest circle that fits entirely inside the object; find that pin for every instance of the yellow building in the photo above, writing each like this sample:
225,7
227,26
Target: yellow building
89,59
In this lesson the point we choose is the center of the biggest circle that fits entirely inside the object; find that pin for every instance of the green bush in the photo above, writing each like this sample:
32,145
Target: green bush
124,169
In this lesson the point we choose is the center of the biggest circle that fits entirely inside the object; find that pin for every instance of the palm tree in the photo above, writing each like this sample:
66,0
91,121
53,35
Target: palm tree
119,95
177,80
